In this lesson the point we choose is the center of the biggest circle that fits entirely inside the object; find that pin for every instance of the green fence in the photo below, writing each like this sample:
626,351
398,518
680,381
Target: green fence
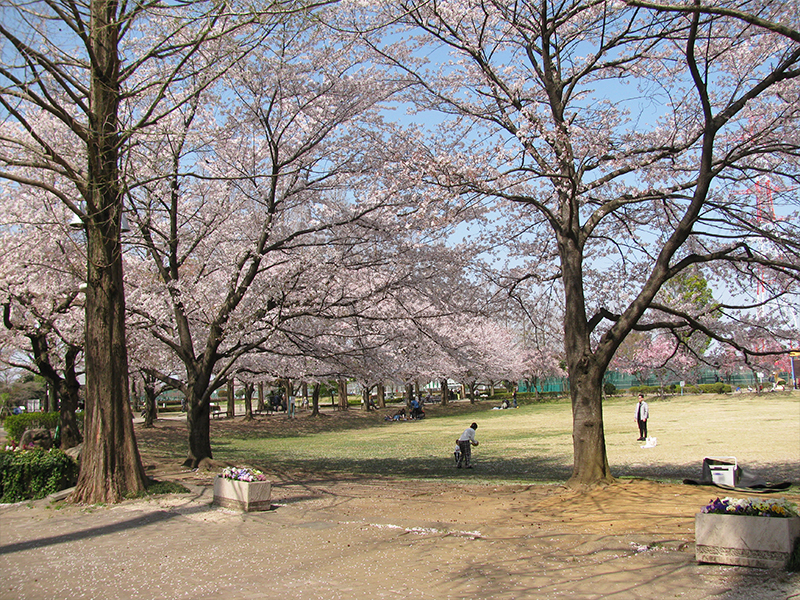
623,381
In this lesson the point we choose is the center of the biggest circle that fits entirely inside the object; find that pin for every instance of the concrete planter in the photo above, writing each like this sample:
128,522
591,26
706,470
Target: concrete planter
247,496
765,542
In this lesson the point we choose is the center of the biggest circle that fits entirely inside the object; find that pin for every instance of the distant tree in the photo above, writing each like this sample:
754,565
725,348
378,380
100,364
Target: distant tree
661,356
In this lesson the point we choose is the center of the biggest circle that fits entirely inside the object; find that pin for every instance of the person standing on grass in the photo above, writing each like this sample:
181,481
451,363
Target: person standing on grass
465,443
641,417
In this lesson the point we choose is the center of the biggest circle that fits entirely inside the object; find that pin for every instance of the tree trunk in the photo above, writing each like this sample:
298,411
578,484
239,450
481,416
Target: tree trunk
248,401
198,418
366,393
343,394
445,392
111,466
49,396
590,462
150,404
70,396
288,390
381,395
231,413
315,400
261,405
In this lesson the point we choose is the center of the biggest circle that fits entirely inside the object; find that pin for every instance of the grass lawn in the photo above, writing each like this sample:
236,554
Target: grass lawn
530,444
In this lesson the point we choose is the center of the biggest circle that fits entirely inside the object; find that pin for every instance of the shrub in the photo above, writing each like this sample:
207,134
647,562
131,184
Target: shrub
16,425
543,397
609,389
715,388
32,474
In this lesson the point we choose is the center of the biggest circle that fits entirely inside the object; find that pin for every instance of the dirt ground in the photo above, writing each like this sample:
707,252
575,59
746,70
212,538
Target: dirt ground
373,538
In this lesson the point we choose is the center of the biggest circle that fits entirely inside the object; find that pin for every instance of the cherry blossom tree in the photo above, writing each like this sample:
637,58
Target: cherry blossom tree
644,355
80,81
611,145
264,209
41,276
154,369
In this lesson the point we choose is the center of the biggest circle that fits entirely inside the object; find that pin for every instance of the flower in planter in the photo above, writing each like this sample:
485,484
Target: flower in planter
751,507
243,474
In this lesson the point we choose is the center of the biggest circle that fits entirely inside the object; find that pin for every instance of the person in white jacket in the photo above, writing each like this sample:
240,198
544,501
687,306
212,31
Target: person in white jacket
465,443
642,413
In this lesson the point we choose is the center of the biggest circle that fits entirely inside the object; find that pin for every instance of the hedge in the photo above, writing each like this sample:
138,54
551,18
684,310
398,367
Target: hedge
703,388
16,425
715,388
33,474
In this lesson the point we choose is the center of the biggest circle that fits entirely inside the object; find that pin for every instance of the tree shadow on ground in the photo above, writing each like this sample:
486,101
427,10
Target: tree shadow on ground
512,470
144,520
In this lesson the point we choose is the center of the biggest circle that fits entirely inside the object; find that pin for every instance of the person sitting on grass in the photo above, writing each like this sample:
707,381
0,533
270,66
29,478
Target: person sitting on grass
400,415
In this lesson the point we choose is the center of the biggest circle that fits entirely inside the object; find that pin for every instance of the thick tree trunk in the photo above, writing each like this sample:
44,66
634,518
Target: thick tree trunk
198,418
288,390
590,461
381,395
110,464
445,392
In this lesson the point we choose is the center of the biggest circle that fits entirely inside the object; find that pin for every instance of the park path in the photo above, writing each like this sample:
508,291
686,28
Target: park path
371,539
